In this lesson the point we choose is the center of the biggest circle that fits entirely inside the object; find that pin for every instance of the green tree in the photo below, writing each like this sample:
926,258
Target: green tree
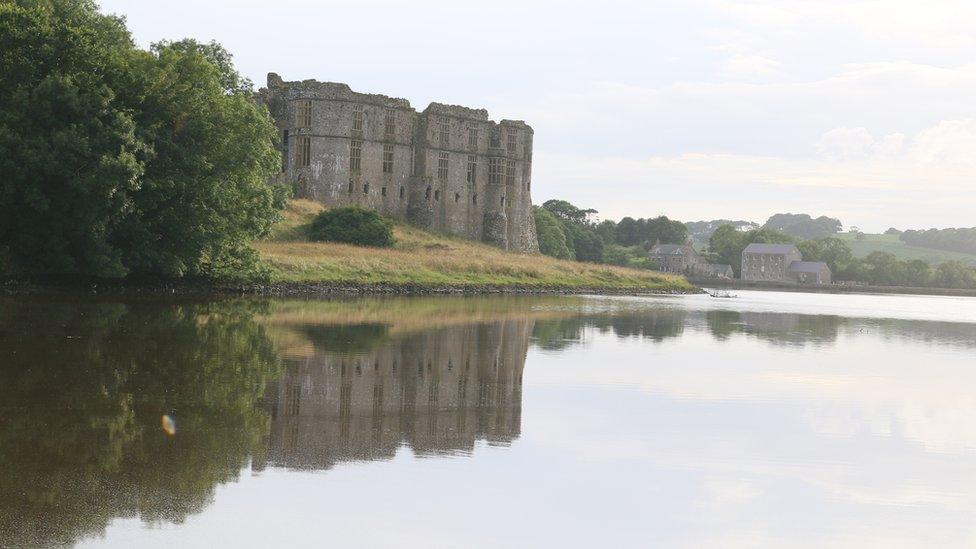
587,246
832,251
551,234
352,225
118,161
955,274
628,232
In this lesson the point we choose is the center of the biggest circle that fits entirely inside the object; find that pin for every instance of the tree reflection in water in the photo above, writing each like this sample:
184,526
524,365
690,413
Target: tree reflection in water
83,387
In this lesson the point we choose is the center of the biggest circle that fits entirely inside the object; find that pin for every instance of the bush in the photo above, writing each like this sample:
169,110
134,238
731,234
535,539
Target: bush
352,225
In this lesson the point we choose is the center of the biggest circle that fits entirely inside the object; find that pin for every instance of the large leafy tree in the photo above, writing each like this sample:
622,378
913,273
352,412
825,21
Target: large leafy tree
115,160
551,234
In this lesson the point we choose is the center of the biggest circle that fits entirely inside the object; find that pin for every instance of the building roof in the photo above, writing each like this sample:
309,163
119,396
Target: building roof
667,249
808,266
756,248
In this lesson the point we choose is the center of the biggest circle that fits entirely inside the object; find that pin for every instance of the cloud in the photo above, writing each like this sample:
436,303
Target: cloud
751,65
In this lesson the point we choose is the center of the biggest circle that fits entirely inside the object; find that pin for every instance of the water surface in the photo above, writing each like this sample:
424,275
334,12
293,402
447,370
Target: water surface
774,419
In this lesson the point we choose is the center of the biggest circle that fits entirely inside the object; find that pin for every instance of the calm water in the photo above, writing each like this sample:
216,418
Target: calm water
774,419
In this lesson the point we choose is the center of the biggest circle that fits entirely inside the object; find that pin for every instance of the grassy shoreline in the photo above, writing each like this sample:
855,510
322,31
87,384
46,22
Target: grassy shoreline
424,262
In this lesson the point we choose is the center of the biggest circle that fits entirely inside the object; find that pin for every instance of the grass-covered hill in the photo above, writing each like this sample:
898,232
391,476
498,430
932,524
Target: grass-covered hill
424,259
891,244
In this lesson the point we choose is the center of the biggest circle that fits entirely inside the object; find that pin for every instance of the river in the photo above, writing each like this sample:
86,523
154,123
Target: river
771,420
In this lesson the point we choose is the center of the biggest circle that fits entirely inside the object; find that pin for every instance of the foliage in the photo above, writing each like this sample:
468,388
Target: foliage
634,257
892,230
565,211
803,226
551,234
832,251
587,245
955,240
352,225
658,230
118,161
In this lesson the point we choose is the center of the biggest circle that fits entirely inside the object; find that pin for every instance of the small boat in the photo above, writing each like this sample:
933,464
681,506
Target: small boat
722,294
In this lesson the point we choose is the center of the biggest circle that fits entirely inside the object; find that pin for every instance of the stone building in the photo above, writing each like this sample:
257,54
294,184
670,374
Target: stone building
677,258
781,263
448,168
810,272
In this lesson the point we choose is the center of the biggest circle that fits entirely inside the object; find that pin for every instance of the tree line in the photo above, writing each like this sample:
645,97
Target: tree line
566,231
877,268
953,240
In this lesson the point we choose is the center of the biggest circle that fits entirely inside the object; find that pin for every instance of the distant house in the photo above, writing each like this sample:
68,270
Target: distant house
720,270
769,262
677,258
810,272
781,263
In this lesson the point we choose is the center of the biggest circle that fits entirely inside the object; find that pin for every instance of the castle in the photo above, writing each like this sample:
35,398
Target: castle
448,169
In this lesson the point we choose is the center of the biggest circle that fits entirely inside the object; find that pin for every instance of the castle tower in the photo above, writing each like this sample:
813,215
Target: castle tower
448,169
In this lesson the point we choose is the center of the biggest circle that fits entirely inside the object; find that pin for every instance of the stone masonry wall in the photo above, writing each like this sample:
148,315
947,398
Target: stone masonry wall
448,169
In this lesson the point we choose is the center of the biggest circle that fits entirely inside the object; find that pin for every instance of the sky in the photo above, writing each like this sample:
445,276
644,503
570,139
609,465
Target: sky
694,109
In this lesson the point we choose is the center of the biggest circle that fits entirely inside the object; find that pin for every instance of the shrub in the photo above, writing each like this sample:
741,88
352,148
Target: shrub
352,225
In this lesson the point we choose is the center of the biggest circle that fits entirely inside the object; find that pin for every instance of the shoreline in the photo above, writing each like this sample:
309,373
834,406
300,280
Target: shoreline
317,289
830,289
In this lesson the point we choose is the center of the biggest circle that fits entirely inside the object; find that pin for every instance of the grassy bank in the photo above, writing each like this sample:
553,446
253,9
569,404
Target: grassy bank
422,259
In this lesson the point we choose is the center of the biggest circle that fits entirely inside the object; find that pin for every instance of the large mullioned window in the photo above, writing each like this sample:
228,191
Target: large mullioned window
303,114
443,160
355,155
387,158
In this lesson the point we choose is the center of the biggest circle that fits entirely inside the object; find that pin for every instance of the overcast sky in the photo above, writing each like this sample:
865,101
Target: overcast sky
865,111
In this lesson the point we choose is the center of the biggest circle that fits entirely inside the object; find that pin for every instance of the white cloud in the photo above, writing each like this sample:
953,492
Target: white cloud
751,65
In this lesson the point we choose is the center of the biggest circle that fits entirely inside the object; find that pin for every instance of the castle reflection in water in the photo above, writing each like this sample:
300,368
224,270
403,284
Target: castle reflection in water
438,392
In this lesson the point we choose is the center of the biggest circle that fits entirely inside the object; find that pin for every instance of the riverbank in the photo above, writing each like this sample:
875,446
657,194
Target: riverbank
422,262
829,289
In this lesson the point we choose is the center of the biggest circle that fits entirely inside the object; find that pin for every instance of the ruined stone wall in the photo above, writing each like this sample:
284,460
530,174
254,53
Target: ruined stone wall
323,125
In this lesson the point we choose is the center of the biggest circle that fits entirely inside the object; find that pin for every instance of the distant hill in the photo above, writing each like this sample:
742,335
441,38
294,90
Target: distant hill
890,243
701,231
803,225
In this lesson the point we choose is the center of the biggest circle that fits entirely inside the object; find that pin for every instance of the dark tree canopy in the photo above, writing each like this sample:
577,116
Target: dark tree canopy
118,161
352,225
804,226
551,234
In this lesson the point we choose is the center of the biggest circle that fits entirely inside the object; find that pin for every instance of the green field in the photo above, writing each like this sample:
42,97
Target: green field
890,243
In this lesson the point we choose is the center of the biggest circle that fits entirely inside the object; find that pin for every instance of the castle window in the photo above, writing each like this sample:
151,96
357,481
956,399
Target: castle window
357,118
437,195
382,191
427,194
495,139
474,199
387,158
284,151
303,114
442,163
510,173
349,188
355,155
528,186
503,202
494,171
304,151
473,138
402,193
389,123
442,129
511,138
472,167
366,187
457,197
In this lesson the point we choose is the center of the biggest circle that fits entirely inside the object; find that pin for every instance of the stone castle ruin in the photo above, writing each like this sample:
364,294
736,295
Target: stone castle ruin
447,169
